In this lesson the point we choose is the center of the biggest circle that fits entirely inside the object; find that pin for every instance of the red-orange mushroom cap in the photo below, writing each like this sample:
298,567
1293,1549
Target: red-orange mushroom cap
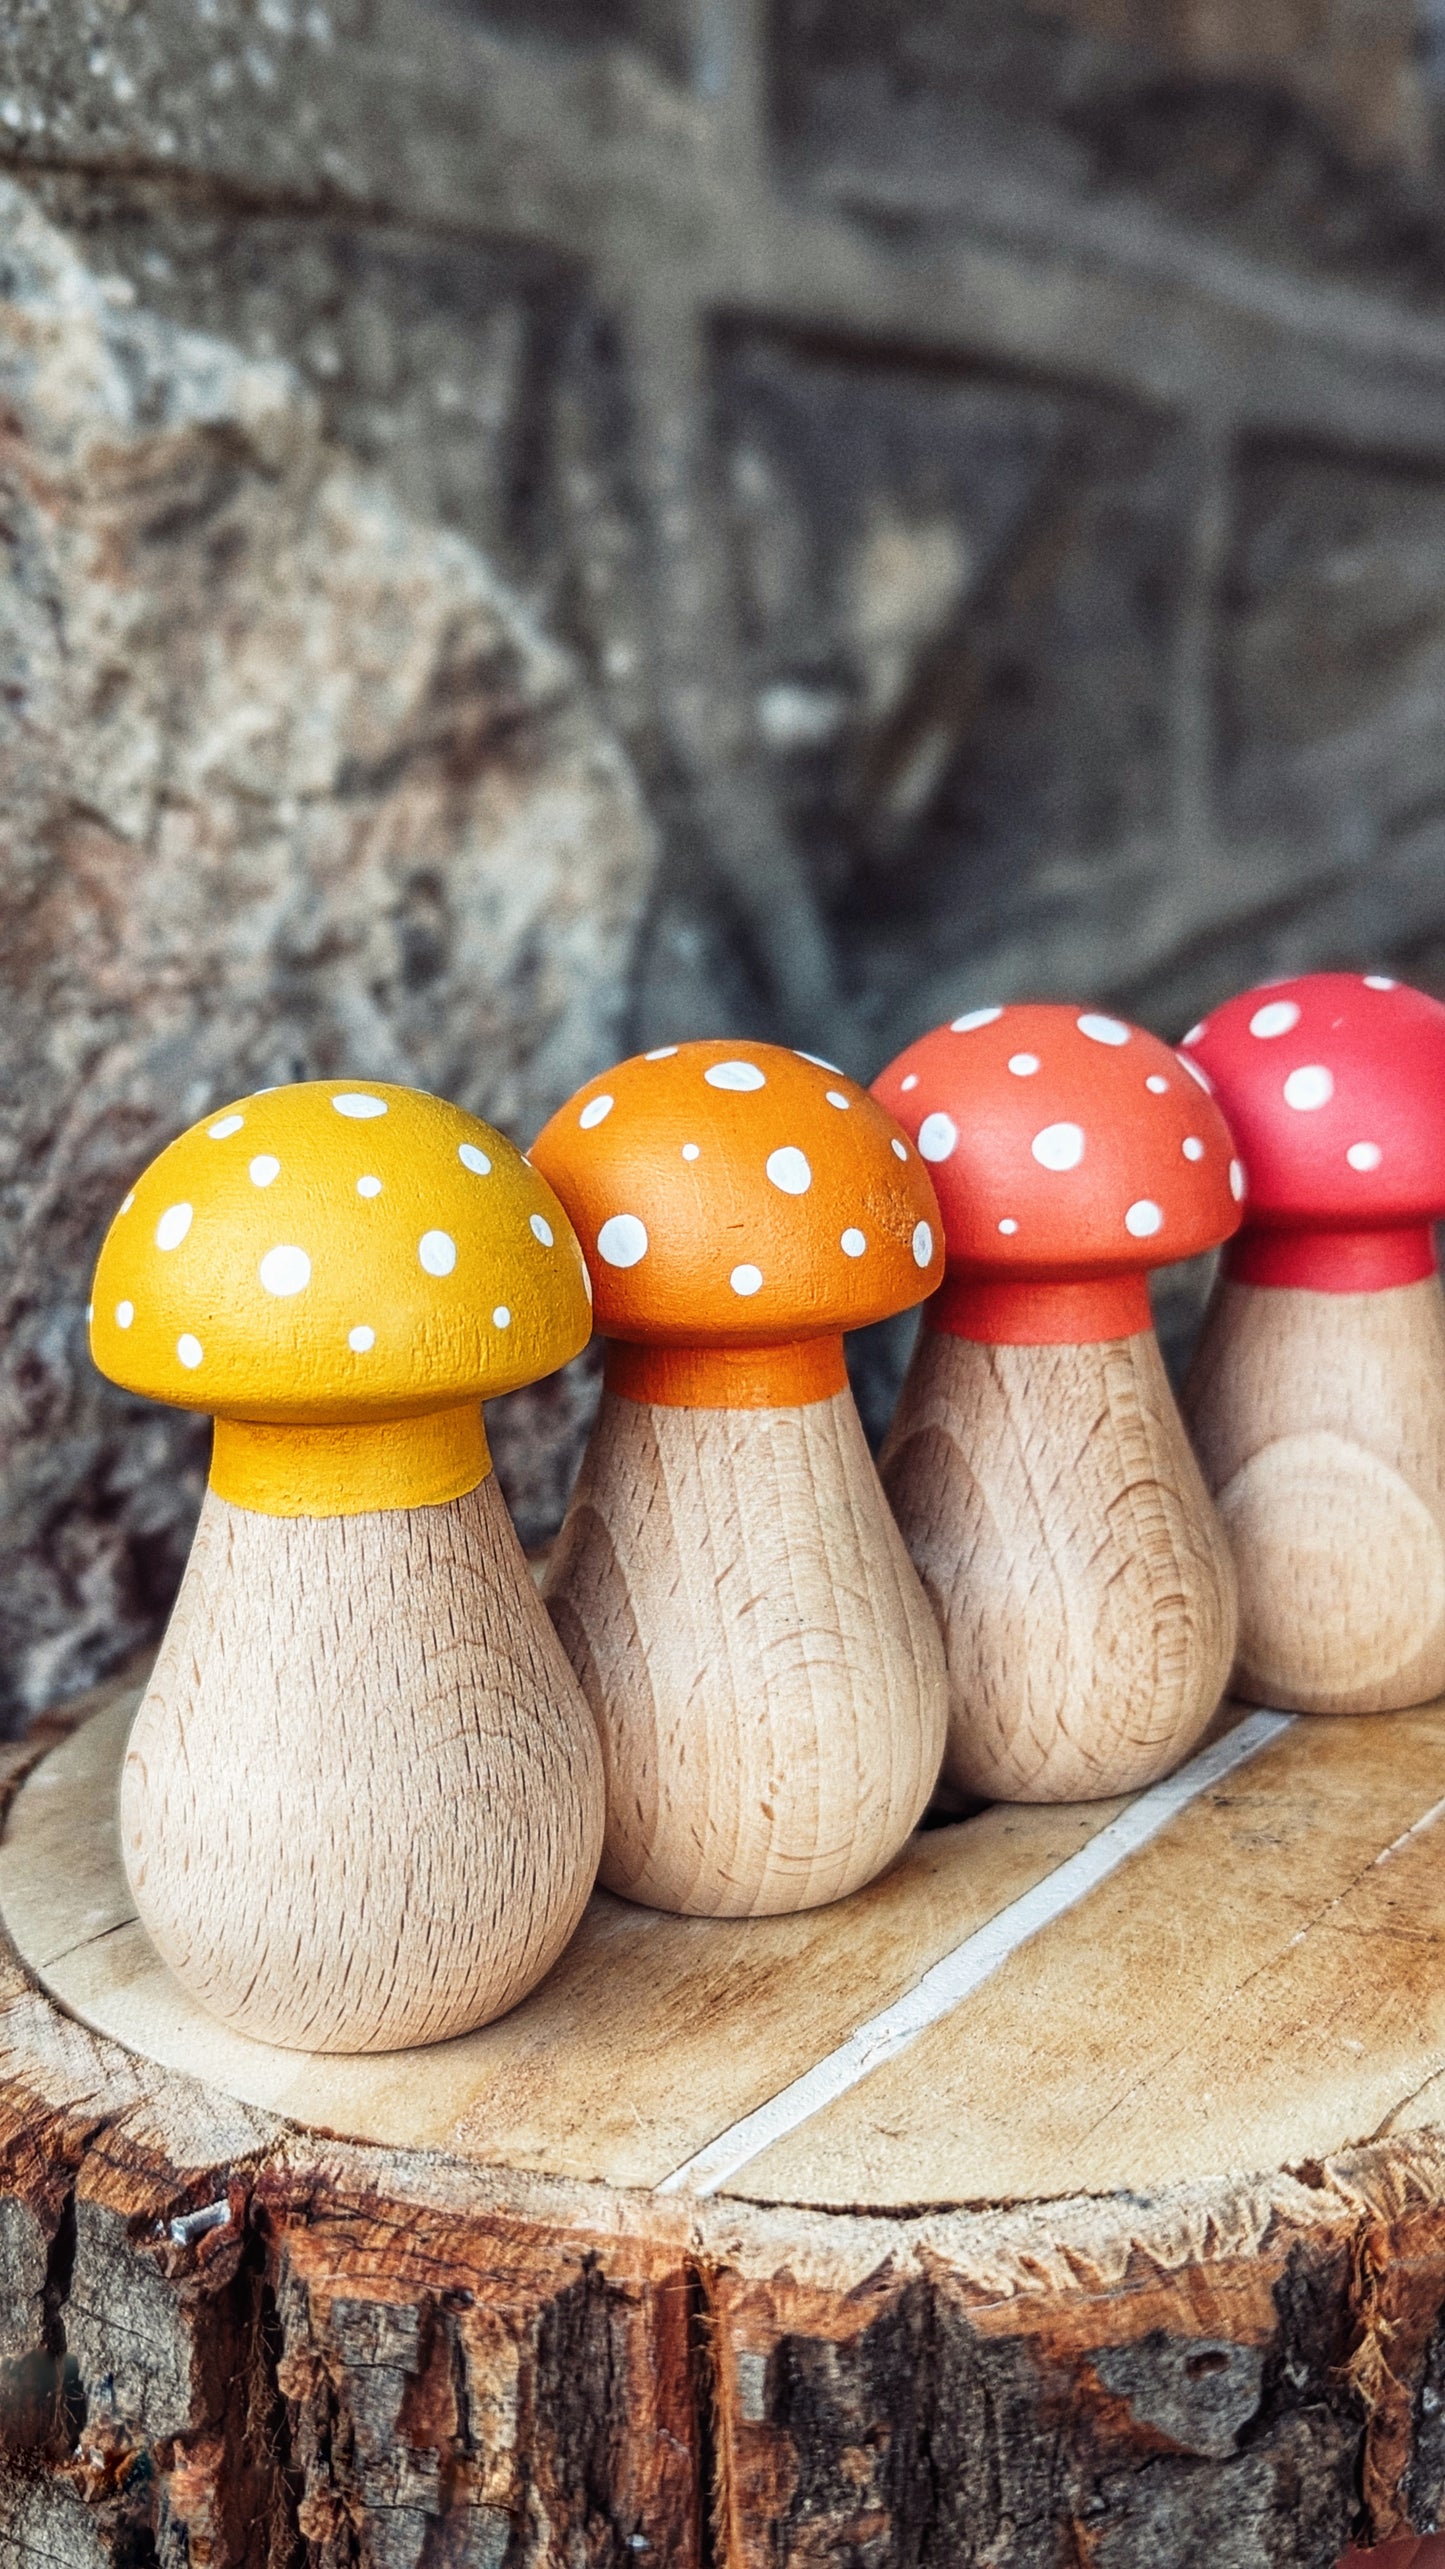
1070,1152
739,1207
1334,1086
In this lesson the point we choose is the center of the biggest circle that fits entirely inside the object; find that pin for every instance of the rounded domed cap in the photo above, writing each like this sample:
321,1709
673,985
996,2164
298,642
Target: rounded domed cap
327,1253
737,1193
1065,1146
1334,1086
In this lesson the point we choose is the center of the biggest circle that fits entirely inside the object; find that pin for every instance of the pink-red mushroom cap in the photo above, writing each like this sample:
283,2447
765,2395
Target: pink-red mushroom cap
1334,1087
1070,1153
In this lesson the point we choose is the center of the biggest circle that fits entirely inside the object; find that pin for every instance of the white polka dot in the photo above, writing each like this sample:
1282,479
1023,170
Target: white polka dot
361,1341
1157,1086
1237,1180
622,1240
1143,1219
130,1199
1008,1226
819,1064
586,1277
228,1125
899,1149
501,1317
974,1018
1103,1030
264,1168
541,1229
1023,1065
473,1159
1309,1087
285,1271
662,1052
1205,1082
89,1313
789,1171
595,1111
835,1097
923,1237
1194,1032
173,1225
124,1314
911,1081
937,1135
746,1279
852,1244
368,1186
1379,981
1193,1147
1058,1146
1364,1155
735,1074
437,1251
1278,1017
690,1150
355,1103
190,1351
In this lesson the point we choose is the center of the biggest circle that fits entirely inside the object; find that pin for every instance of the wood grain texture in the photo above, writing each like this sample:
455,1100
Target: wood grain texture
1319,1419
763,1665
362,1802
1061,1528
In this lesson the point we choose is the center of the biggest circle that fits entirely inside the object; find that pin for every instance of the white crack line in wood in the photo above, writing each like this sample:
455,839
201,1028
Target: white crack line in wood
958,1974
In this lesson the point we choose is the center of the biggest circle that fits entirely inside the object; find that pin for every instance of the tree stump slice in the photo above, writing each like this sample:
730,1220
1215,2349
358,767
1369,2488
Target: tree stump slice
1071,2195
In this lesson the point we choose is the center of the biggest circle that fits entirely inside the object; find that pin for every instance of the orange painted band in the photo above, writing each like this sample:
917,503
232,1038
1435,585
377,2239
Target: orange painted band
1030,1311
779,1377
352,1470
1333,1261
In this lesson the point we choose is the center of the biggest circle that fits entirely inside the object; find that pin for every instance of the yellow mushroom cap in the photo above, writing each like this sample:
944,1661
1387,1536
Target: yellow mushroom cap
329,1253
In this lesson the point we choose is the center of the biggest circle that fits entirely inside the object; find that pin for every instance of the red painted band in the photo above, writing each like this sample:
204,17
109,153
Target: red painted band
1333,1261
1029,1311
778,1377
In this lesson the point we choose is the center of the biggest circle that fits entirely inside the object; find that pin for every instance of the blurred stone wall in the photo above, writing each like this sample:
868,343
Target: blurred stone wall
537,526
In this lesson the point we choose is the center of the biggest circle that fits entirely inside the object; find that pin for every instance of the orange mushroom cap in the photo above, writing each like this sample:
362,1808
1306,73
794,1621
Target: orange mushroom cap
739,1207
1071,1152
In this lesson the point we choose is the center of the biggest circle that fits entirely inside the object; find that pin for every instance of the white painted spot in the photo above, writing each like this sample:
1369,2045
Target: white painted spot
228,1125
622,1240
586,1278
746,1279
189,1350
1277,1017
437,1251
355,1103
1194,1032
1380,981
923,1239
264,1169
1023,1065
1364,1155
1058,1146
1143,1219
852,1244
1237,1181
501,1317
1193,1147
835,1097
819,1064
1205,1082
1008,1226
541,1229
173,1225
910,1081
596,1111
1103,1030
368,1186
690,1151
473,1159
1308,1088
735,1074
788,1170
1157,1086
937,1135
89,1313
899,1149
973,1018
662,1052
130,1199
285,1271
361,1341
124,1314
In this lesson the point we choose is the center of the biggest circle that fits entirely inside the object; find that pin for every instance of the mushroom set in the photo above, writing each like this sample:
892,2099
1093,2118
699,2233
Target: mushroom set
376,1772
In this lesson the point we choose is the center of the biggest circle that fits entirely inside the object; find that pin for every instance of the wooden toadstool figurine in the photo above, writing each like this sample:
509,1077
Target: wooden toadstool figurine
1317,1397
729,1584
1037,1463
362,1801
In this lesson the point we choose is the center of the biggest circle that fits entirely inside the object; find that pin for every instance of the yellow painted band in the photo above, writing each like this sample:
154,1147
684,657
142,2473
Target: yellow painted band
351,1470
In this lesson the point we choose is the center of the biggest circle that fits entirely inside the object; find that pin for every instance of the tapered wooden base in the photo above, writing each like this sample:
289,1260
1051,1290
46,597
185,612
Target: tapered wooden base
1051,1503
1320,1422
766,1675
362,1801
